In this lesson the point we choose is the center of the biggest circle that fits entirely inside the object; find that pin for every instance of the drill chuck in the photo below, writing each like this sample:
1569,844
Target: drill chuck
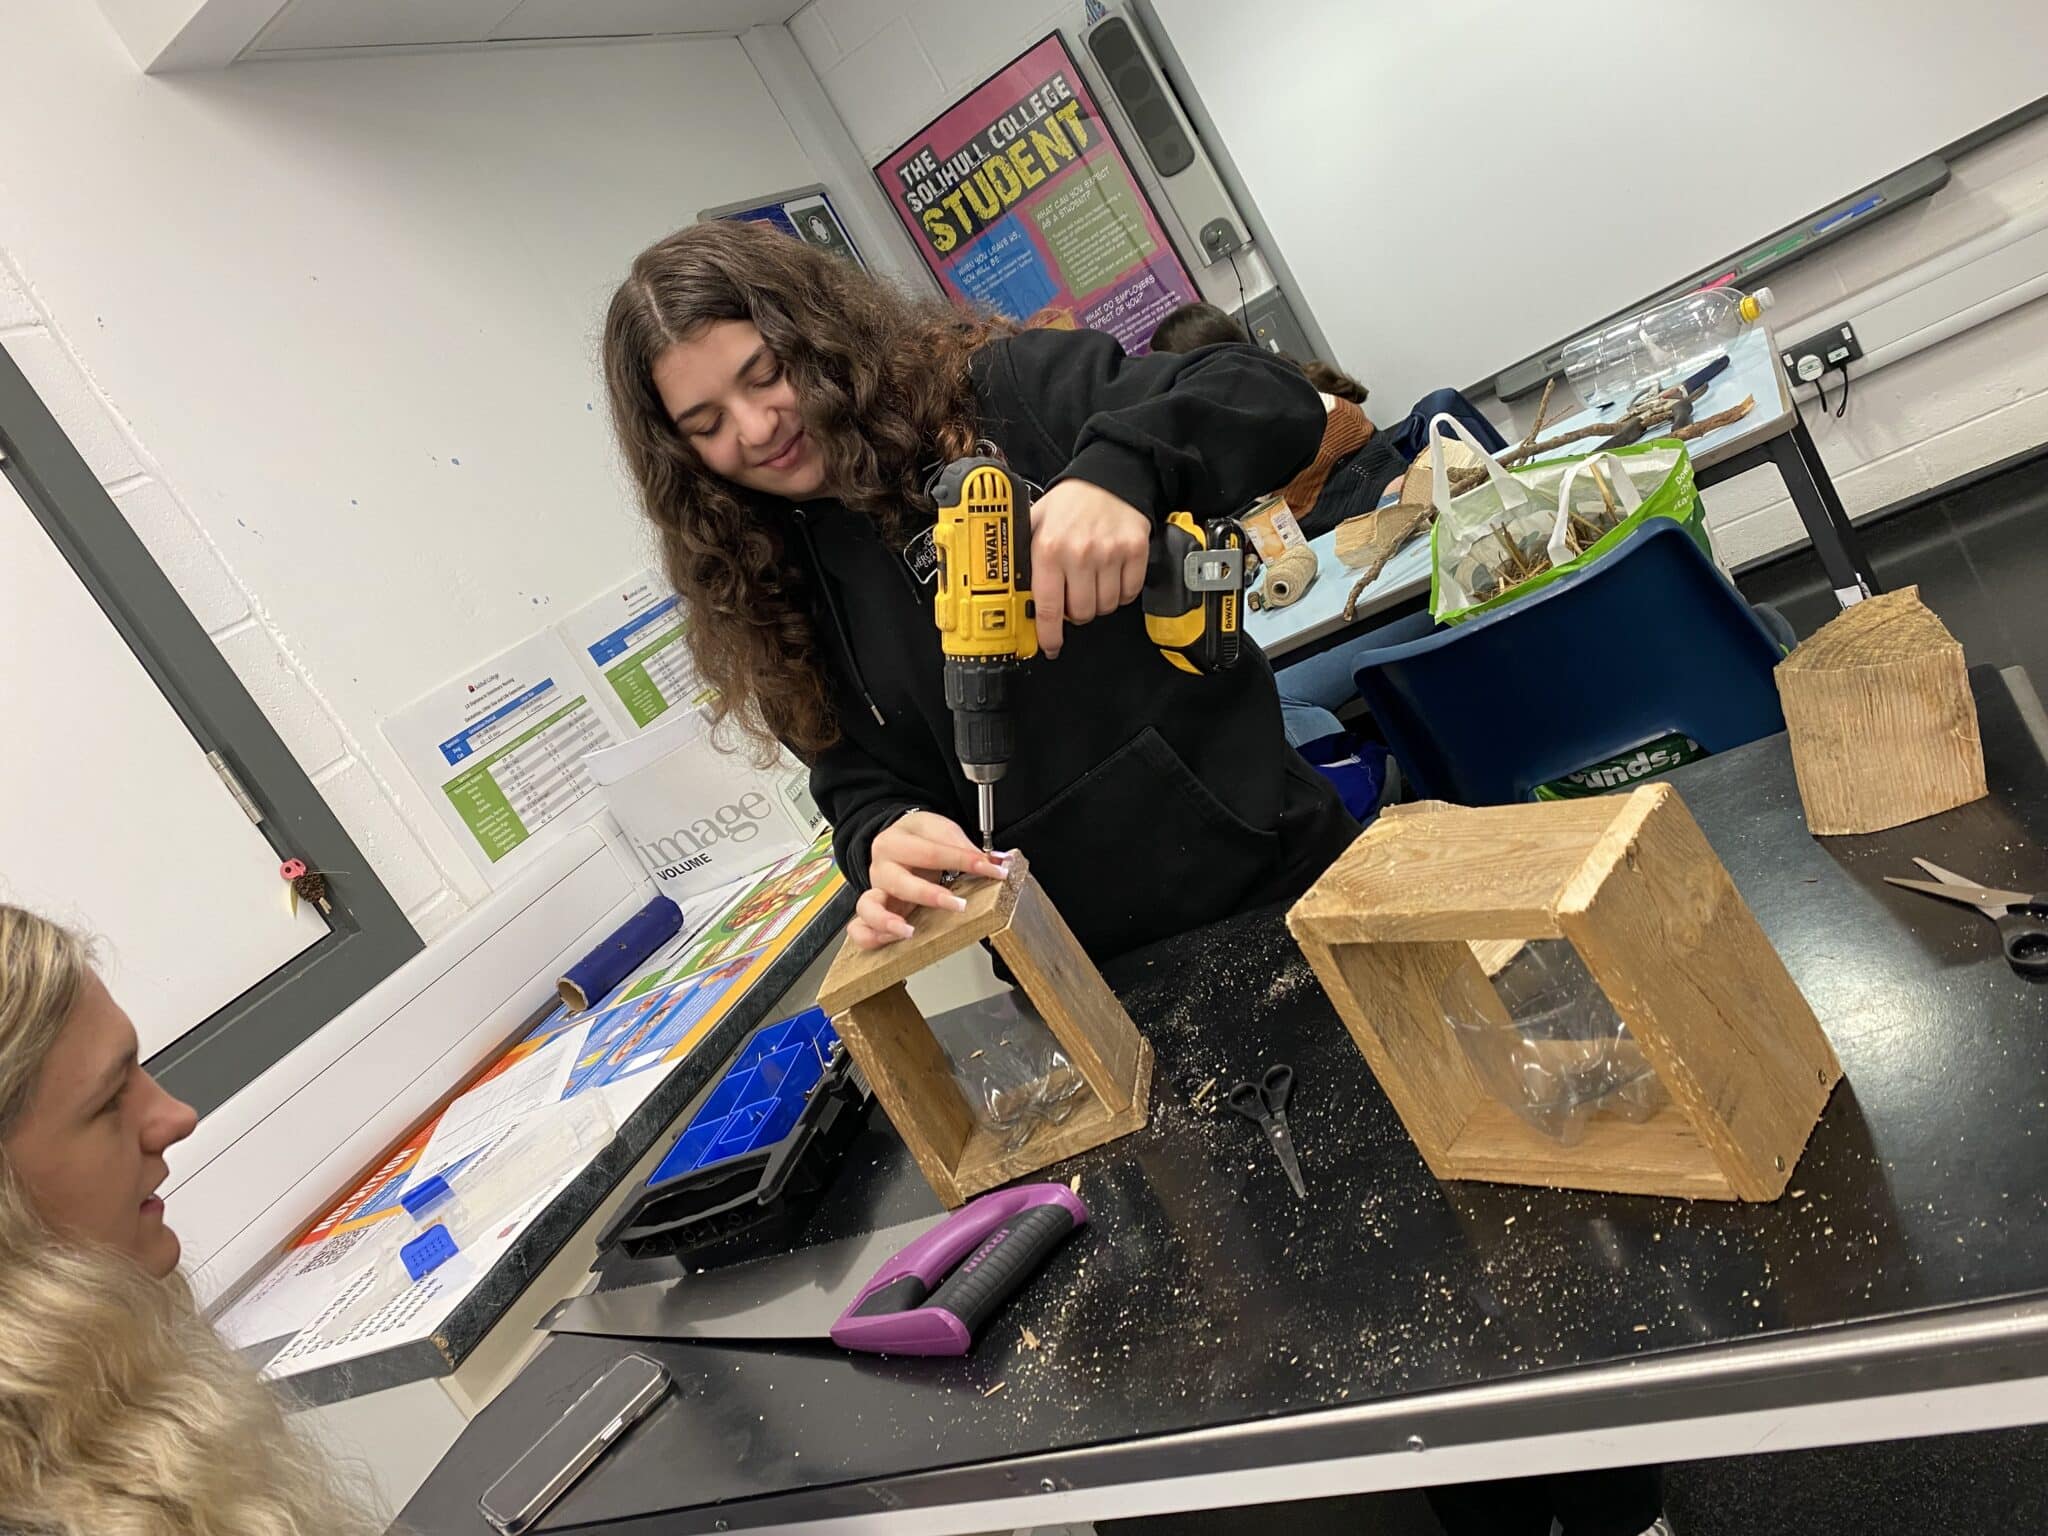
984,735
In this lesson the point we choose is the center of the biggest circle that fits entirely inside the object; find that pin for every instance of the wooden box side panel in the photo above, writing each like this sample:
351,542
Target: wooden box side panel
1882,723
912,1076
1662,1155
1390,999
935,934
1679,953
1073,999
1881,746
1431,872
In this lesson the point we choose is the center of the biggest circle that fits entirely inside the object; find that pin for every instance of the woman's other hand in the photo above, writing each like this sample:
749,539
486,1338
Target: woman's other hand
904,864
1088,551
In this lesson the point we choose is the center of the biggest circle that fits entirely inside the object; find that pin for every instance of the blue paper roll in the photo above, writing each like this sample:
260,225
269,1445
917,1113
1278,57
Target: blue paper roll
591,979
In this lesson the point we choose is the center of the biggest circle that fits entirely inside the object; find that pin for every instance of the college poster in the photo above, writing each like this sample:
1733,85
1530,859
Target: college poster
1020,201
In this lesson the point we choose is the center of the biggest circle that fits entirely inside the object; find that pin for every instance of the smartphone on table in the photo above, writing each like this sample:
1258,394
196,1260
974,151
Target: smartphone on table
613,1404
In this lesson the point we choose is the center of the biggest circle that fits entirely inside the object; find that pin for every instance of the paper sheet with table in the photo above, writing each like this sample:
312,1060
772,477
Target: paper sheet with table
620,1049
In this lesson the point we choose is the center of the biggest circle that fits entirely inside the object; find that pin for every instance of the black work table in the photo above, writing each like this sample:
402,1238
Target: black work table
1209,1341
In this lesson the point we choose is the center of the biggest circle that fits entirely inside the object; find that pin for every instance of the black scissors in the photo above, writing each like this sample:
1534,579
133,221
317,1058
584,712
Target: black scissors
2022,919
1266,1102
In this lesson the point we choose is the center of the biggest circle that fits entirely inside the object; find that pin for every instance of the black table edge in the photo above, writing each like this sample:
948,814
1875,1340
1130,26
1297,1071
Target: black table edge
1979,1346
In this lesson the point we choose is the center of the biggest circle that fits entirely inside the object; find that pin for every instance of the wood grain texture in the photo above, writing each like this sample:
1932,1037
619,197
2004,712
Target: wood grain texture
912,1077
1494,954
1660,1156
1633,884
1678,952
1882,724
936,933
1369,541
1430,871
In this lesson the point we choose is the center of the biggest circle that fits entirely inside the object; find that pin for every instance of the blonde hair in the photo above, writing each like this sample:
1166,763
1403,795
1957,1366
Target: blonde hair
122,1413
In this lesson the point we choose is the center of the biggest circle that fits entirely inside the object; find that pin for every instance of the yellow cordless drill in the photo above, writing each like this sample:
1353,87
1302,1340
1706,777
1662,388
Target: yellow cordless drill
1193,604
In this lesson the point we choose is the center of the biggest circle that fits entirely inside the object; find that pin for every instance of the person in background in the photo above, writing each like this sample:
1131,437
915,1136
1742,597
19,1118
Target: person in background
1359,465
122,1413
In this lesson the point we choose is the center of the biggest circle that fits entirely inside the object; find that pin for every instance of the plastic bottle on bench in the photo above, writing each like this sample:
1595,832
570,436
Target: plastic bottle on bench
1661,345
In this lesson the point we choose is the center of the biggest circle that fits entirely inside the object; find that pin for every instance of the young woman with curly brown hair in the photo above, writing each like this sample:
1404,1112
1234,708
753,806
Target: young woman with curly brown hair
782,413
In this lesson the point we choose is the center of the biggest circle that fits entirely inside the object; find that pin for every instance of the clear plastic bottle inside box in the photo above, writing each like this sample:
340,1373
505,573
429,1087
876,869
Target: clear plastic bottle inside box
1015,1078
1564,1055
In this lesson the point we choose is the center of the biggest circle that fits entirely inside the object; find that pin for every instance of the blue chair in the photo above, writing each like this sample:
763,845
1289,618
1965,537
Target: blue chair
1649,640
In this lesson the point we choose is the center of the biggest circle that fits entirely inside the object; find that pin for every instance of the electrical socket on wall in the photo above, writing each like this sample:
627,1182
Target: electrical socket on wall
1807,360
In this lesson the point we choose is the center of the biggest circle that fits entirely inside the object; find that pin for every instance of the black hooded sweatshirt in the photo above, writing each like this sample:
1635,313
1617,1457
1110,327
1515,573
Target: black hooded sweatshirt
1148,801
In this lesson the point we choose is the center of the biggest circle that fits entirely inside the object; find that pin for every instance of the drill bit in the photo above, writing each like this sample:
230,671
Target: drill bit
986,794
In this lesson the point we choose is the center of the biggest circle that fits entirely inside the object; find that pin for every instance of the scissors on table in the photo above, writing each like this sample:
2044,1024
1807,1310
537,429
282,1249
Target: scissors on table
2022,919
1266,1102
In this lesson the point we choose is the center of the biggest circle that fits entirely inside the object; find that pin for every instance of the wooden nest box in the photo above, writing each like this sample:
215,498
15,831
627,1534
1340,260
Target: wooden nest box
912,1075
1631,884
1882,725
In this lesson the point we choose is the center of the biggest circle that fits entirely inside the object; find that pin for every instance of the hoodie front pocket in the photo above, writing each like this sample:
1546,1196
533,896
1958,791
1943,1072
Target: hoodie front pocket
1138,849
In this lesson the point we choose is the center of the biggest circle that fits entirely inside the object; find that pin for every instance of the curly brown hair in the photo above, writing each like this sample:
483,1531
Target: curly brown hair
882,382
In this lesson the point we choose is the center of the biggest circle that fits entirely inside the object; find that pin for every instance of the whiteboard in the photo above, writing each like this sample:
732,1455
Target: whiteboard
1459,184
111,819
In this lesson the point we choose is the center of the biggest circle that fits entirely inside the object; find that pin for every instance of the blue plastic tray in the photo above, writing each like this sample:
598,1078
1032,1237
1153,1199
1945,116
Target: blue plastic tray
762,1144
758,1100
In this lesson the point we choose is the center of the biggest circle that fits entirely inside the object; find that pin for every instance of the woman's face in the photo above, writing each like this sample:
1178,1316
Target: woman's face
735,405
89,1146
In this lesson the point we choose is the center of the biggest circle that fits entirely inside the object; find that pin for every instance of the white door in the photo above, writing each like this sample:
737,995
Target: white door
111,817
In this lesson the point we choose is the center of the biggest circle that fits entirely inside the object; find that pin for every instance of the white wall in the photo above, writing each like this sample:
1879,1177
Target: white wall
1961,404
326,329
1458,185
891,66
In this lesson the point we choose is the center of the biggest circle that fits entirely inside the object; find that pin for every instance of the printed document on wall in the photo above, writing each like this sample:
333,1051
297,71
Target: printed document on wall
500,751
629,643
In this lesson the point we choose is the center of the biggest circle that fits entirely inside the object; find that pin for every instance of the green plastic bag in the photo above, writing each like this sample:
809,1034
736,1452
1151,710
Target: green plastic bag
1533,506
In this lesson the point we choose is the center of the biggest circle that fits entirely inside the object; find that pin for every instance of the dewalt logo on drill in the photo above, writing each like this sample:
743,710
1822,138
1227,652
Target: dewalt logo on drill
995,552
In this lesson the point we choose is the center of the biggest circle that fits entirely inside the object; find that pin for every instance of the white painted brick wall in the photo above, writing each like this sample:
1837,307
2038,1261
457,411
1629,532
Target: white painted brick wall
224,607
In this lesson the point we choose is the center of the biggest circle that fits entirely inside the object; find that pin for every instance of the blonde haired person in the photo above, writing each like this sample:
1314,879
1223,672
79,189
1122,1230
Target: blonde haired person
122,1413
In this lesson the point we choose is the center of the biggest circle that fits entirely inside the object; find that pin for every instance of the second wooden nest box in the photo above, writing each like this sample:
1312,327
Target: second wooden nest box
1631,883
911,1073
1880,717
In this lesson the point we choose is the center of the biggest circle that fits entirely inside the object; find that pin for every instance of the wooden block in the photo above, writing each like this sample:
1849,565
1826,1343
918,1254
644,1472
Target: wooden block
1398,929
1389,1001
1882,724
911,1074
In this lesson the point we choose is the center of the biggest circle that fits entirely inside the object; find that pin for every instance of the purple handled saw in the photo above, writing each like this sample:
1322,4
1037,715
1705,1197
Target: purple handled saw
923,1288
